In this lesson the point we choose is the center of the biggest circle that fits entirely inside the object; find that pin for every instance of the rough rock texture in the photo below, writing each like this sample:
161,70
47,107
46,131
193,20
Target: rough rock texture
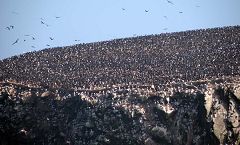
168,89
117,117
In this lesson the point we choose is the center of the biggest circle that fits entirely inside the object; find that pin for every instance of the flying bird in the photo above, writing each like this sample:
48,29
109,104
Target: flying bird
44,23
165,17
51,38
146,11
170,2
11,26
165,28
47,45
33,38
57,17
8,28
15,42
180,12
33,46
123,9
76,40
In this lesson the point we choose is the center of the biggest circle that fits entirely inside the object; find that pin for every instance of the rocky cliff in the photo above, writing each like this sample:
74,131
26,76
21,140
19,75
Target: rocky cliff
168,89
207,113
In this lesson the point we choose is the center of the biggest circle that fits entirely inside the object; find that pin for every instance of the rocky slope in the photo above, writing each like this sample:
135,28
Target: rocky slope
189,113
168,89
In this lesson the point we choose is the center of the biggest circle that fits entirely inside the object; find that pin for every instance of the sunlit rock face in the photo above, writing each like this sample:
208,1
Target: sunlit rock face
169,89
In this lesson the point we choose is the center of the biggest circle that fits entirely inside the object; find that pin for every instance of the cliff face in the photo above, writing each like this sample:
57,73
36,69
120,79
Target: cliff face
168,89
120,115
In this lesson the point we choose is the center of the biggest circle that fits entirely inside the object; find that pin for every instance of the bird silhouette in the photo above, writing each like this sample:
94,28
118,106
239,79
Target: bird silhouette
15,42
44,23
165,28
165,17
47,45
146,11
8,28
33,46
123,9
51,38
11,26
33,38
170,2
180,12
57,17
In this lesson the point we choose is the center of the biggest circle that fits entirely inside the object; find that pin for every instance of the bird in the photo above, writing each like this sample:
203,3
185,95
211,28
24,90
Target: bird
165,17
8,28
57,17
44,23
180,12
33,46
165,28
11,26
76,40
24,40
51,38
26,35
123,9
33,38
47,45
197,6
146,11
15,42
170,2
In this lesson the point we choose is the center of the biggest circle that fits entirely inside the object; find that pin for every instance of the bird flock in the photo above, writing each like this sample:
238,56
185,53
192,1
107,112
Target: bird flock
44,23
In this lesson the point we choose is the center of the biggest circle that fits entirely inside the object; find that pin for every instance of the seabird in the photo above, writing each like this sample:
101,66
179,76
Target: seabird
51,38
146,11
8,28
165,28
44,23
180,12
123,9
47,45
165,17
15,42
33,38
11,26
57,17
33,46
170,2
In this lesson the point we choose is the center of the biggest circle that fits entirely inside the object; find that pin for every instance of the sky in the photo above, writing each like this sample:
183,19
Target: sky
31,23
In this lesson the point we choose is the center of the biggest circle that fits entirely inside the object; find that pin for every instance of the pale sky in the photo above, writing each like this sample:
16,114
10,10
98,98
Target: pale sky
98,20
